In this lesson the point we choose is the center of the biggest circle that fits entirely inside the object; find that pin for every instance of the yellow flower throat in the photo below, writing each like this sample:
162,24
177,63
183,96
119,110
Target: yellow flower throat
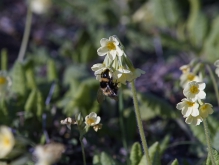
194,89
111,46
90,121
3,80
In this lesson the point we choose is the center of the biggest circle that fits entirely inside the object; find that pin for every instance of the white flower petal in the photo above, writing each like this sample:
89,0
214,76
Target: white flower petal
103,41
201,85
202,95
102,51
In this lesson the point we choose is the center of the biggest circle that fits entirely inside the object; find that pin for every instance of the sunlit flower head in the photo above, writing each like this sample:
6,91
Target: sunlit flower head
6,141
205,109
49,153
188,108
195,90
185,68
188,77
92,119
40,6
5,82
194,120
110,47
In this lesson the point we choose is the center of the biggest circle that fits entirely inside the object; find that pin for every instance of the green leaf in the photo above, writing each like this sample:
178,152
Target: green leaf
175,162
164,144
19,84
105,159
216,141
154,155
31,101
136,153
215,156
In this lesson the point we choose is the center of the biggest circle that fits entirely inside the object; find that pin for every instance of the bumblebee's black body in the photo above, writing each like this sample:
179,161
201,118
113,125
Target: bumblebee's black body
107,87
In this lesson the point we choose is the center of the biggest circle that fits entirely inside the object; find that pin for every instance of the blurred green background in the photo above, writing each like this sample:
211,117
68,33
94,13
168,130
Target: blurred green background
55,80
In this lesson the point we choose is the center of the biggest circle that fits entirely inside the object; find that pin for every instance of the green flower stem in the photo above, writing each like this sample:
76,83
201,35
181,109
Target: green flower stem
82,149
139,122
121,119
208,141
214,82
26,35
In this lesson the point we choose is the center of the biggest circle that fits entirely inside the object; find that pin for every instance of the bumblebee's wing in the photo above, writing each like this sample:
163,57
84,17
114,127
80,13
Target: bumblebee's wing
100,96
112,94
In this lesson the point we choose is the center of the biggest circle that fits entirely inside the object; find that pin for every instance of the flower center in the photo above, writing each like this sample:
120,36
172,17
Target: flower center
190,77
190,104
203,108
194,89
6,141
111,46
3,80
90,121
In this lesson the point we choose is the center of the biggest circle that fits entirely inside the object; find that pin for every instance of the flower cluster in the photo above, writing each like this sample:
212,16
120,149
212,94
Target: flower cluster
192,108
5,82
91,120
49,153
6,141
116,61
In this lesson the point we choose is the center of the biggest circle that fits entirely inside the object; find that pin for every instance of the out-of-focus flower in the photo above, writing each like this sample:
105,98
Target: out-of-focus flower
49,153
205,109
40,6
188,77
6,141
194,90
216,63
185,68
194,120
110,47
68,122
5,82
92,119
97,127
188,108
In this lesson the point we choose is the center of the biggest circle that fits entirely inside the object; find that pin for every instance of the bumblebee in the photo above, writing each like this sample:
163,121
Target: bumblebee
107,87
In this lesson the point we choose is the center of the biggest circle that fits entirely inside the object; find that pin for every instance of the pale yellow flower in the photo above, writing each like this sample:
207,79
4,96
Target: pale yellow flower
188,108
195,90
49,153
6,141
188,77
5,82
110,47
92,119
194,120
97,127
98,69
185,68
205,109
40,6
68,122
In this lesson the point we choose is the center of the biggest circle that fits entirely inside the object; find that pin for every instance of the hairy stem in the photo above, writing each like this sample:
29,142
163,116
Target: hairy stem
26,35
82,149
214,82
208,141
139,122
